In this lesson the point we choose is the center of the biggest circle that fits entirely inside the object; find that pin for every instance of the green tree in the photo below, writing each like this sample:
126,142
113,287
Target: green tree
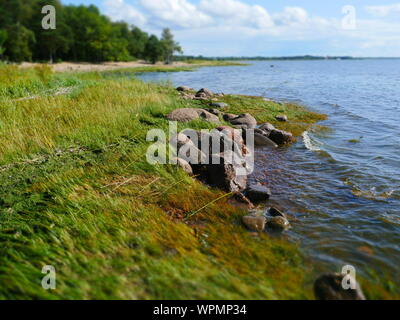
169,45
154,49
3,38
19,43
137,40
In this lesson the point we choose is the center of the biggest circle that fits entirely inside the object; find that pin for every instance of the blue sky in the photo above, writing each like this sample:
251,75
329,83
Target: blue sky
269,27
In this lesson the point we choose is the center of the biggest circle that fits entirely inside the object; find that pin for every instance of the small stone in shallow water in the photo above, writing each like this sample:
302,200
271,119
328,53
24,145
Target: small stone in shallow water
278,223
273,212
254,223
330,287
258,193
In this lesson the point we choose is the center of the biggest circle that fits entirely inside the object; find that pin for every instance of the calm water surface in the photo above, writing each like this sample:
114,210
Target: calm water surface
341,187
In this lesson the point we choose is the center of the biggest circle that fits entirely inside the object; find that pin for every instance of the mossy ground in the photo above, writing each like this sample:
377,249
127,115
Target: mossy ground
76,192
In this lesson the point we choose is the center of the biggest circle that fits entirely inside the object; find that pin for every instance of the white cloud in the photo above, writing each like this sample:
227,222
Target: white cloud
119,10
237,13
384,11
180,13
291,16
233,27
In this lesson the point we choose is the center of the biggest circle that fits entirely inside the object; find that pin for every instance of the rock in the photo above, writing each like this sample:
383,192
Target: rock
281,118
188,150
262,140
229,116
188,96
273,212
281,137
204,93
179,140
219,105
185,166
246,121
254,223
258,193
184,89
278,223
227,171
267,127
241,198
209,117
189,114
214,111
329,287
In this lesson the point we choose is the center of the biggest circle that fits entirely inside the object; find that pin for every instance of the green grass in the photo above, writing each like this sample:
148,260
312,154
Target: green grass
76,192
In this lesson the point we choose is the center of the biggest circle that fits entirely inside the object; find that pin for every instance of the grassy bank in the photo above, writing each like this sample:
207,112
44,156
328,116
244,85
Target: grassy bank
76,192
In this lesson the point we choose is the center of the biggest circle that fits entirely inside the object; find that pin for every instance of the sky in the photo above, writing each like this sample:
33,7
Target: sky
363,28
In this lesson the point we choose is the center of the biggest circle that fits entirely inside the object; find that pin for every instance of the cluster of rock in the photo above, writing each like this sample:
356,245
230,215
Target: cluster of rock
272,219
217,157
202,94
228,169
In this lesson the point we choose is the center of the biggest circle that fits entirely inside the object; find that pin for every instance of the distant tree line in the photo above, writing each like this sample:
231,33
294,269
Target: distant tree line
82,34
260,58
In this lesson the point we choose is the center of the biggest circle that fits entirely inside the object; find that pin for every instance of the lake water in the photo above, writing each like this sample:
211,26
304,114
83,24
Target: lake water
341,187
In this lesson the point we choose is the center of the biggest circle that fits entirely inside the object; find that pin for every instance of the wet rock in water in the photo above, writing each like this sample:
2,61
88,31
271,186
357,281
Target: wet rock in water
273,212
184,89
329,287
244,121
261,139
185,166
281,137
282,118
204,93
219,105
189,114
258,193
278,224
254,223
267,127
229,116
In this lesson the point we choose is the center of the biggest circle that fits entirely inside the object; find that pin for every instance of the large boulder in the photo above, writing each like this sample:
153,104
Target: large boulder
258,193
281,137
188,150
189,114
261,139
244,121
204,93
227,171
329,287
266,127
228,117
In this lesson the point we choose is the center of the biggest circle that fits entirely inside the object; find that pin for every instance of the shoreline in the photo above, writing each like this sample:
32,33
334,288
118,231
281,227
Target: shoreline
131,222
140,64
